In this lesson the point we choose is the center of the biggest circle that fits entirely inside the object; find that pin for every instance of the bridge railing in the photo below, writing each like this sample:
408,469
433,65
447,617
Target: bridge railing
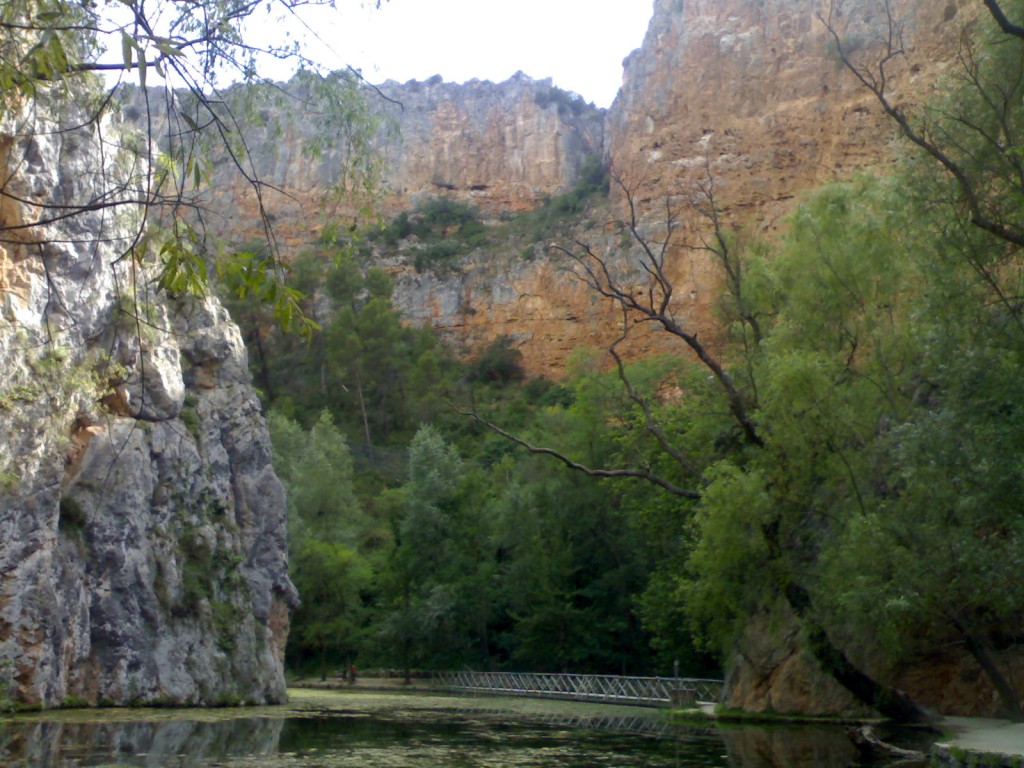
647,691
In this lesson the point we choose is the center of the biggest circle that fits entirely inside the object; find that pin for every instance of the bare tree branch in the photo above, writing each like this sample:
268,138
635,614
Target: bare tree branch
1016,30
875,79
595,270
641,474
650,423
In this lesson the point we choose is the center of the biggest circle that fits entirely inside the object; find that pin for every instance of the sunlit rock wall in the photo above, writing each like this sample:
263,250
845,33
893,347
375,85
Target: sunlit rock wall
744,97
501,146
747,96
498,146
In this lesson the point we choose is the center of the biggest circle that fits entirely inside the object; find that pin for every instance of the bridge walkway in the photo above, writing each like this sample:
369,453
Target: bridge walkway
609,689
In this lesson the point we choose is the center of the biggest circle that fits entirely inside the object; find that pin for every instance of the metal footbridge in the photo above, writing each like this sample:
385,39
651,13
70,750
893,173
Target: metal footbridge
608,689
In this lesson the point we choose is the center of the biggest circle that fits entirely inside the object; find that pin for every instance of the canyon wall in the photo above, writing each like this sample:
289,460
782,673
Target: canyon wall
142,528
500,147
754,94
749,94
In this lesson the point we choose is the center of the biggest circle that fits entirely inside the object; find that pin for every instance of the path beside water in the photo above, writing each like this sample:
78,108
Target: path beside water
983,736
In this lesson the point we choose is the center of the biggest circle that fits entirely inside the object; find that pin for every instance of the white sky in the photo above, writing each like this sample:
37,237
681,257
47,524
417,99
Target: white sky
580,44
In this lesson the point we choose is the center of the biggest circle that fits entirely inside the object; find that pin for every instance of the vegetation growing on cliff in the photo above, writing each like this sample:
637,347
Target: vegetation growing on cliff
440,231
852,459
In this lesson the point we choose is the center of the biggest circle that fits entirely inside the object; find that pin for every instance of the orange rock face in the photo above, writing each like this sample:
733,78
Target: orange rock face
750,99
501,147
748,94
754,93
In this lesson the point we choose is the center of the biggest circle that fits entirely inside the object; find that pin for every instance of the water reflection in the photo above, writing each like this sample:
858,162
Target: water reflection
634,720
783,747
172,743
414,733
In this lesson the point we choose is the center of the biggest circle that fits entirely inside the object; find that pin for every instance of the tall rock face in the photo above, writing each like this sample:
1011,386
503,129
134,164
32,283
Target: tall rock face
747,93
749,99
745,96
753,94
142,528
503,147
500,147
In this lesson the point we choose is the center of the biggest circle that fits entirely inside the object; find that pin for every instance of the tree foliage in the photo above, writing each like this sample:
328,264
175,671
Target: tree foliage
327,534
879,338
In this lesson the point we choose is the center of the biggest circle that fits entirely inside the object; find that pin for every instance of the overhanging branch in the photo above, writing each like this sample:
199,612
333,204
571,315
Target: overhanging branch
640,474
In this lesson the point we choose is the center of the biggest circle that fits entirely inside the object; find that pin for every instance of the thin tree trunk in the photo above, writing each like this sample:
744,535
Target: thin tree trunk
407,599
980,651
254,334
362,408
890,702
485,644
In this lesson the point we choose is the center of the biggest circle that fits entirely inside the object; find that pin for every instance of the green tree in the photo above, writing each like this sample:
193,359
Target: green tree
420,625
884,493
378,377
372,359
749,438
571,567
326,529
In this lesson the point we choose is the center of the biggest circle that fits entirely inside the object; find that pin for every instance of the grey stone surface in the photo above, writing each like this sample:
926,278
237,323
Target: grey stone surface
156,743
142,528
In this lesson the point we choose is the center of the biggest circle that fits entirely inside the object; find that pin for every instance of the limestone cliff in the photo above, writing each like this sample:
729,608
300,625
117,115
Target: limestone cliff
752,92
142,527
745,92
501,147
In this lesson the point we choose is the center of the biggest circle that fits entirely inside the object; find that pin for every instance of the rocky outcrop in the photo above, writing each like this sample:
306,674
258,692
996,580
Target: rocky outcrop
754,94
501,147
142,528
771,672
536,299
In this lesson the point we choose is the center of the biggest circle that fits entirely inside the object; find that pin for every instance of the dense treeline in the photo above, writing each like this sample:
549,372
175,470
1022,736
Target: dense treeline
853,461
420,539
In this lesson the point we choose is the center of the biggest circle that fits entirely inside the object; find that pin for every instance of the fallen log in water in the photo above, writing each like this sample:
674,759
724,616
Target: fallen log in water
870,748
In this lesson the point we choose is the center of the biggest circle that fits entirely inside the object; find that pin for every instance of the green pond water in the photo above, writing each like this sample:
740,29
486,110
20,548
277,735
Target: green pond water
335,729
